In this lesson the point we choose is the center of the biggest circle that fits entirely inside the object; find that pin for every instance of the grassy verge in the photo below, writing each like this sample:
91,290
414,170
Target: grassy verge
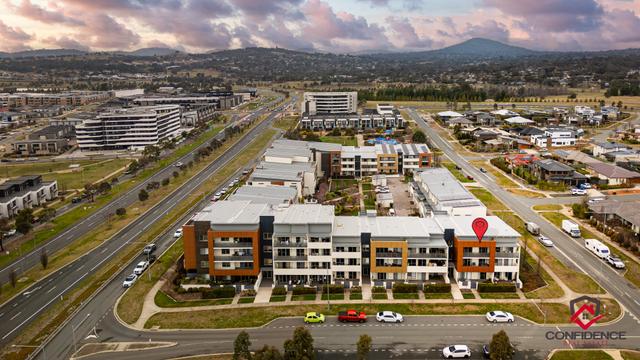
163,300
306,297
526,193
487,198
286,122
251,317
547,207
333,297
399,296
355,296
246,300
581,355
457,173
442,296
467,295
379,296
277,298
499,295
342,140
501,179
630,355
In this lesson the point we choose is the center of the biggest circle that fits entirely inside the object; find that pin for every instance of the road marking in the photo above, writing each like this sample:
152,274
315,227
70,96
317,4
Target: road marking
15,316
1,315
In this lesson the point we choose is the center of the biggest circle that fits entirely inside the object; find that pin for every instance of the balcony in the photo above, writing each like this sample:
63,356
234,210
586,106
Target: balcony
388,255
232,244
476,254
507,255
226,258
439,255
290,258
299,244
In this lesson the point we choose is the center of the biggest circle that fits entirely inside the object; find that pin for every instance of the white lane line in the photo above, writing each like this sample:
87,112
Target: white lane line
15,316
80,267
48,291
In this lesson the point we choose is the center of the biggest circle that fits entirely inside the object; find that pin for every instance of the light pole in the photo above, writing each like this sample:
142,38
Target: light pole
73,332
328,291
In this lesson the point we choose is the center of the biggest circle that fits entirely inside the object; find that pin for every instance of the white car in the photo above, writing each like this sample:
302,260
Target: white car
499,316
575,191
389,317
129,280
586,186
456,352
545,241
140,268
179,164
10,233
178,233
615,262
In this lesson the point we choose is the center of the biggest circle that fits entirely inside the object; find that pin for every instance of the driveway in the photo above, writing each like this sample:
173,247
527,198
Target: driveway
401,199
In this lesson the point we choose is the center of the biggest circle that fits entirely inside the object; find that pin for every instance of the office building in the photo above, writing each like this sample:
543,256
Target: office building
25,192
130,128
314,103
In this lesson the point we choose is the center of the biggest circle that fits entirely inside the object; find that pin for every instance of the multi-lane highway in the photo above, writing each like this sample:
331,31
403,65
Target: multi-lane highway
21,310
570,251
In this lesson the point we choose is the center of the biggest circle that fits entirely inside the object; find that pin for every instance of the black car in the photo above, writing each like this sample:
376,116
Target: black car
152,258
76,200
149,249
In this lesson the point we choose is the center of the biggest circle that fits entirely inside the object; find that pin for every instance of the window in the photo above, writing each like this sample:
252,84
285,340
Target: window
226,265
339,274
353,261
411,262
466,262
267,249
204,264
204,251
301,265
224,239
340,249
283,252
422,262
299,252
484,250
326,252
353,275
225,252
268,262
353,249
267,236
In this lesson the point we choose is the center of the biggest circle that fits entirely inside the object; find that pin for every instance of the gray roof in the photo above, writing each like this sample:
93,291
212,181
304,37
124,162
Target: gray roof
380,227
305,214
552,165
497,228
232,212
273,195
613,171
444,186
611,145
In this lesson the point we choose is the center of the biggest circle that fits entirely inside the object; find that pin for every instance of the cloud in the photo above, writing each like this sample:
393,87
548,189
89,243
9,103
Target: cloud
103,32
13,38
66,42
406,34
35,12
489,29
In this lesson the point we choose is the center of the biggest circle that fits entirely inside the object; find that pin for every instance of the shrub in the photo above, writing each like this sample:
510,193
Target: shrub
356,290
248,293
165,181
279,290
303,290
378,290
121,211
437,288
405,288
496,287
501,164
219,292
333,289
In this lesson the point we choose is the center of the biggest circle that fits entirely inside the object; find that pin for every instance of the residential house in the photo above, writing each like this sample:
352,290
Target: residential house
601,148
613,174
554,171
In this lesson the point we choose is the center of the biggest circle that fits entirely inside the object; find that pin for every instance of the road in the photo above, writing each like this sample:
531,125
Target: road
568,250
602,135
82,227
21,310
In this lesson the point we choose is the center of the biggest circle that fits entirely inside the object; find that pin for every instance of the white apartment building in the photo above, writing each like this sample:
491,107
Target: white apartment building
358,161
555,137
133,128
585,111
330,102
25,192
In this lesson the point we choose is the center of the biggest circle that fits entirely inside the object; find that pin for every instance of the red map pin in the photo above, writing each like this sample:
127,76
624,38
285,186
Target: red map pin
480,226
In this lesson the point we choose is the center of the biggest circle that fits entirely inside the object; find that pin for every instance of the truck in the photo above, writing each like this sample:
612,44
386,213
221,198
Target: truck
571,228
595,246
533,228
352,316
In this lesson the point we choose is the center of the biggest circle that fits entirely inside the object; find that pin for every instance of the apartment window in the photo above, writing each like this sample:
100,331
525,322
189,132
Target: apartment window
226,265
301,265
326,252
353,261
204,251
340,249
299,252
353,249
466,262
203,238
267,249
267,236
353,275
422,262
268,262
411,262
204,264
224,239
483,276
483,250
226,252
339,274
422,250
283,252
483,262
339,261
365,248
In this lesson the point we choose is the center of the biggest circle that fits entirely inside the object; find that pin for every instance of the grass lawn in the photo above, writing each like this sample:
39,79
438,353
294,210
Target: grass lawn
467,295
630,355
355,296
457,173
379,296
306,297
581,355
277,298
526,193
367,186
369,200
487,198
342,140
163,300
333,296
547,207
246,300
499,295
251,317
442,295
501,179
341,184
287,122
400,296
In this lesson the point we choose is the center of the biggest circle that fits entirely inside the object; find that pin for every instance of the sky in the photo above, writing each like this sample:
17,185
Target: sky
339,26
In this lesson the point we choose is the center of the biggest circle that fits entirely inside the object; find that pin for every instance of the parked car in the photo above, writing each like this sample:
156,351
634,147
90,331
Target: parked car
576,191
129,280
545,241
392,212
616,262
149,249
140,268
389,317
179,164
456,352
352,316
499,316
585,186
76,200
10,233
313,317
178,233
152,259
217,196
469,177
245,172
483,170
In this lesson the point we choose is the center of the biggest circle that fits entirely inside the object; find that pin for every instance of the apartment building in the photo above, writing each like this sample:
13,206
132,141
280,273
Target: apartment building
72,98
129,128
221,102
25,192
364,121
555,137
358,161
330,103
50,140
436,191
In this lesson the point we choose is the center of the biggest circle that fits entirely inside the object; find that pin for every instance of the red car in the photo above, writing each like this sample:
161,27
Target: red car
352,316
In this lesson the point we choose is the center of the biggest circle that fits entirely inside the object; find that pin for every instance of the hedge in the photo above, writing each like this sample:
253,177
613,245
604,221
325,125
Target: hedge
378,290
356,290
437,288
279,290
303,290
219,292
333,289
496,287
405,288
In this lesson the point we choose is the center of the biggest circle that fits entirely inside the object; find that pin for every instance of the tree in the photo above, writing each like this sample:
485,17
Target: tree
143,195
300,347
4,227
24,221
419,137
44,259
121,211
241,347
47,214
500,347
363,346
165,181
175,174
104,187
267,353
13,278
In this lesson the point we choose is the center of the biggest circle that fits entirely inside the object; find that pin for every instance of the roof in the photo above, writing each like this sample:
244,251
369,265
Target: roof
625,208
444,187
273,195
504,112
528,131
552,165
497,228
574,155
519,120
611,145
400,227
449,114
305,214
613,171
232,212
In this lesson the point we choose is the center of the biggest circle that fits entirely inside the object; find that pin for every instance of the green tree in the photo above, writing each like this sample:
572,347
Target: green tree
241,347
419,137
104,187
143,195
500,347
300,347
24,221
47,214
44,259
268,353
4,227
363,347
121,211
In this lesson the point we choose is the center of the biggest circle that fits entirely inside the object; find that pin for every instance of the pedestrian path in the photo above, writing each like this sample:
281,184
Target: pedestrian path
455,291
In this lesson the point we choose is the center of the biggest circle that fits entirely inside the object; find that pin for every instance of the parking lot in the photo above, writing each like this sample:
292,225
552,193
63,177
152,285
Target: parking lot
401,199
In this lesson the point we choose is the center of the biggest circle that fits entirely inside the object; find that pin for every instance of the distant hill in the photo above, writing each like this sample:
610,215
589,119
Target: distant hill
478,48
152,51
43,53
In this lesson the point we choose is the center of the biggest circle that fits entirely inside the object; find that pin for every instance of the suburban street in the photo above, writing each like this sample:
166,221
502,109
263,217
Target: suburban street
22,309
568,250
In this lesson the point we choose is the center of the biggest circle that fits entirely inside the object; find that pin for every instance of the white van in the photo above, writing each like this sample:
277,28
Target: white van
601,250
